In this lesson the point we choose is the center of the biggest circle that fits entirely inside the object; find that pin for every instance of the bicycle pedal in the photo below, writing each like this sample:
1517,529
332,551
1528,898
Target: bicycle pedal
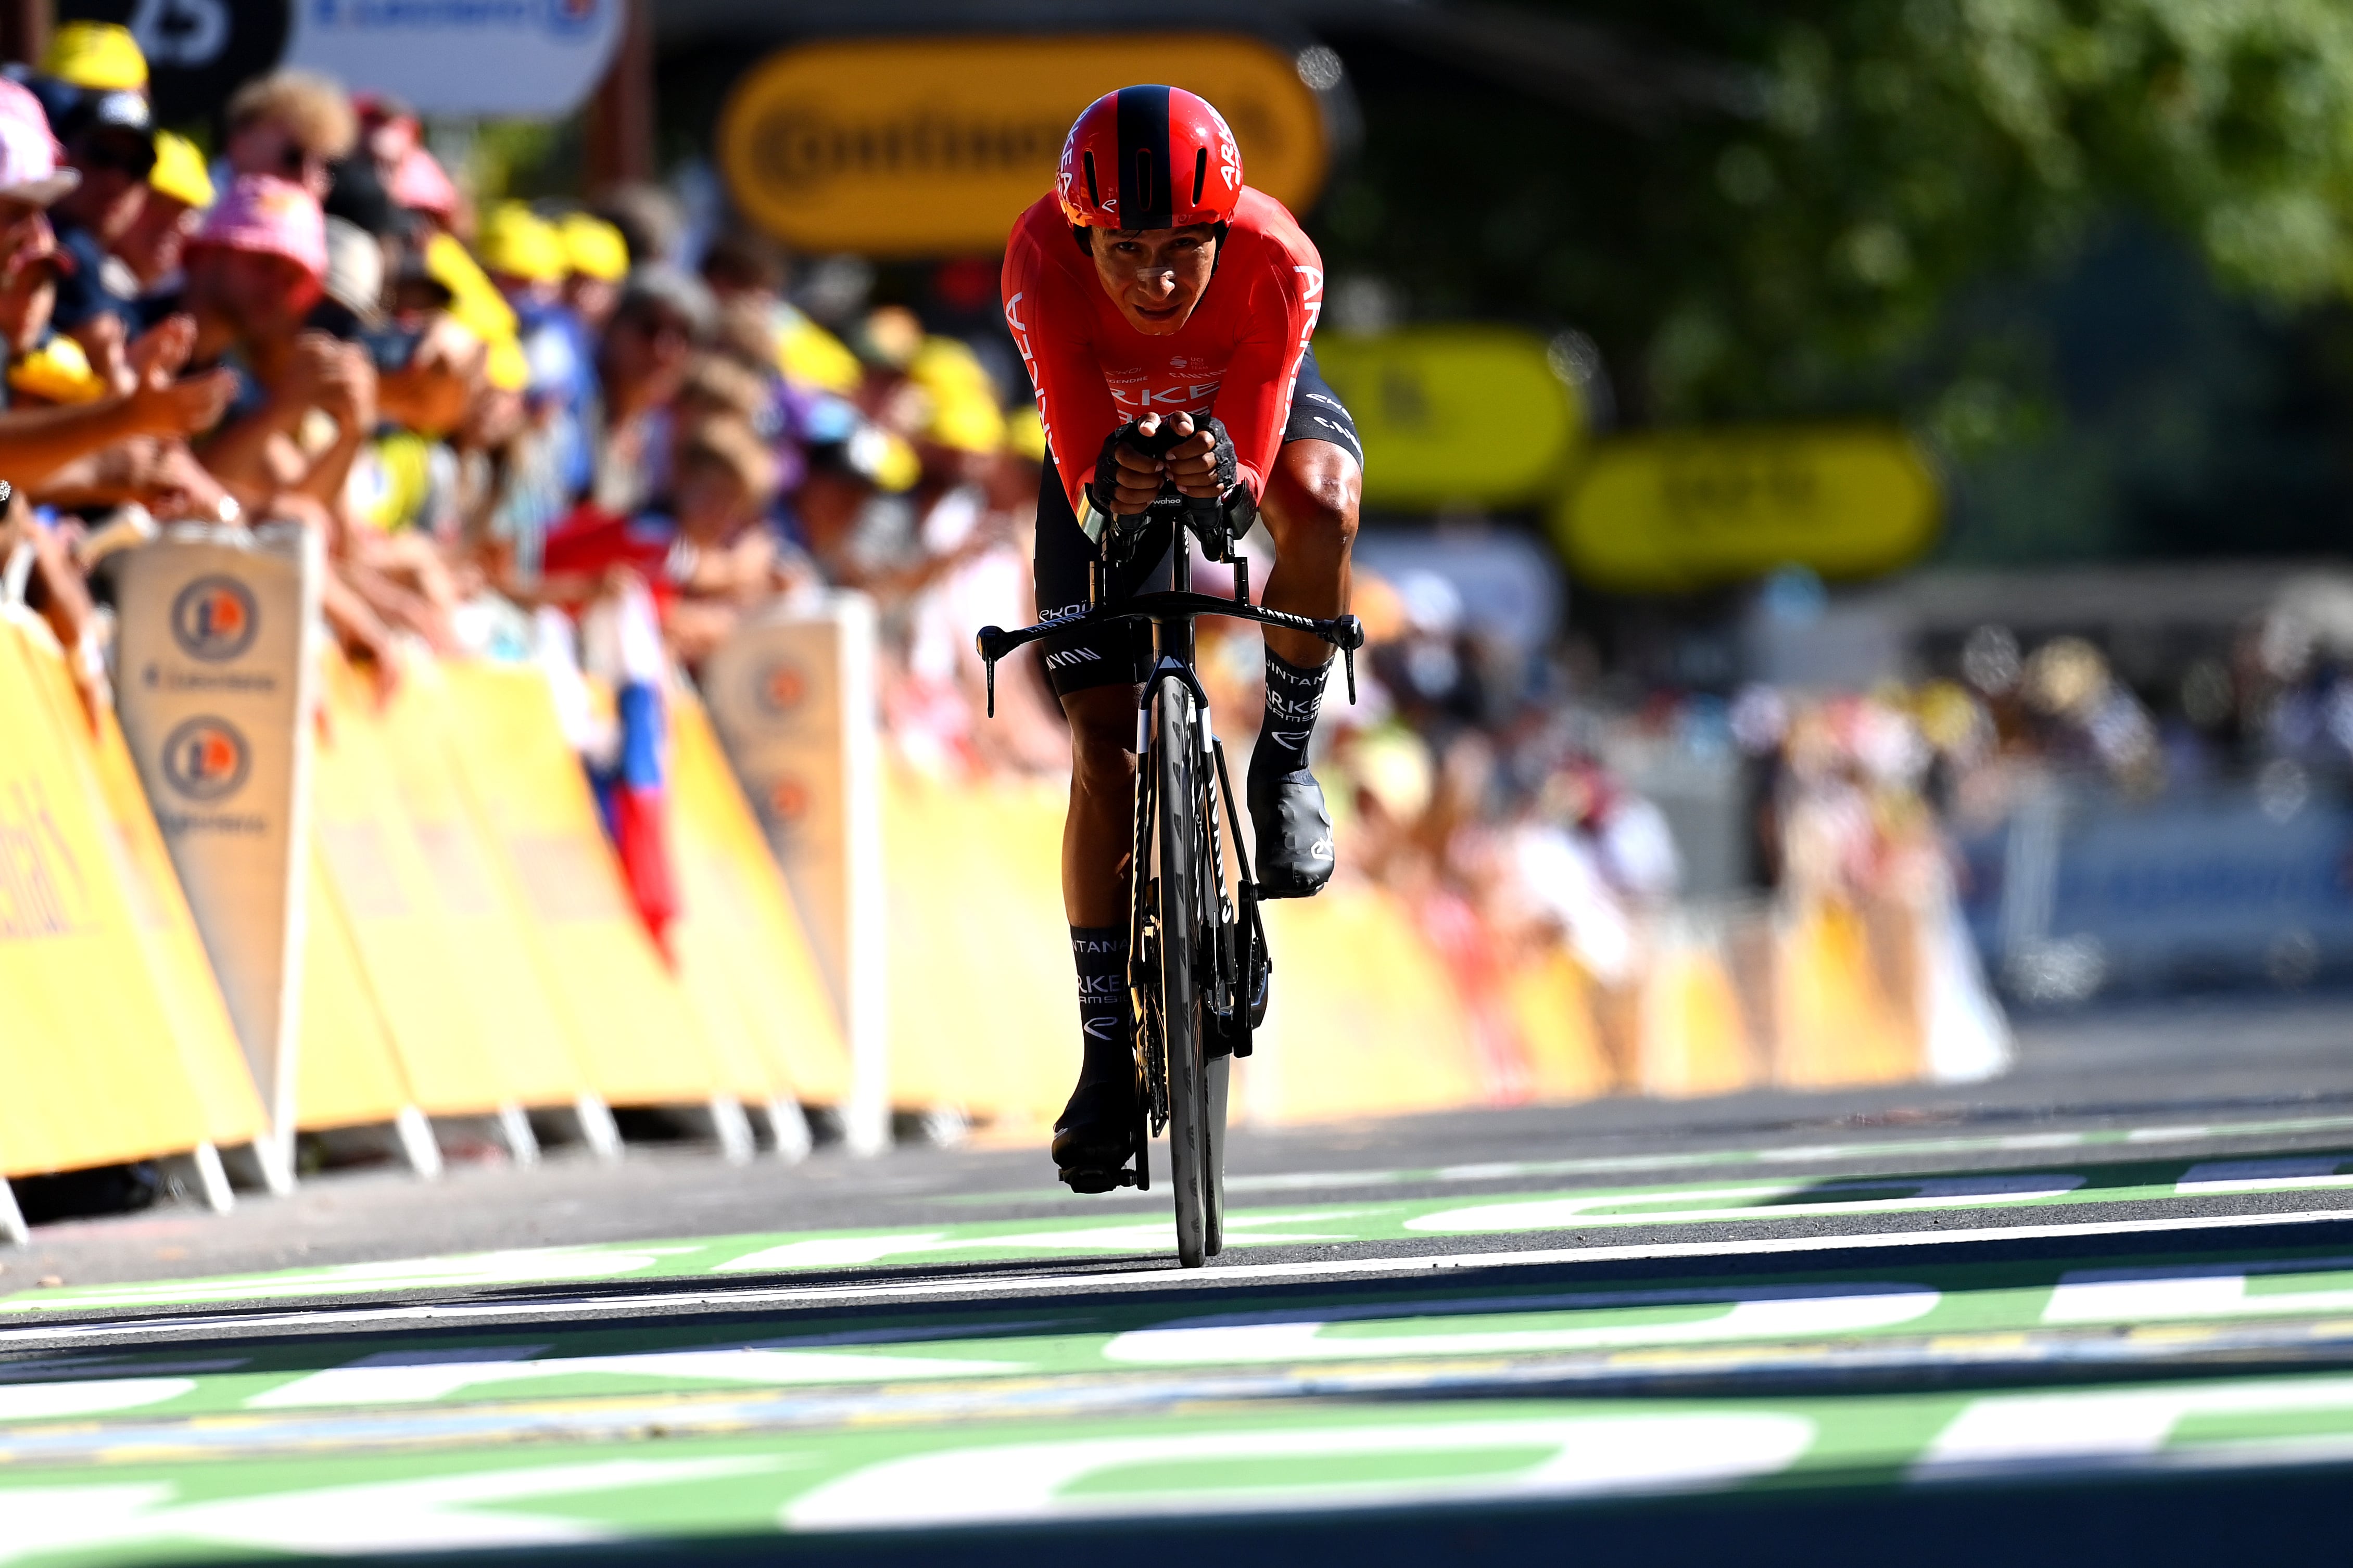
1096,1180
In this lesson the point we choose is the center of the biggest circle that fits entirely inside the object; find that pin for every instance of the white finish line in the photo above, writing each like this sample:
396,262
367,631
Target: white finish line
502,1312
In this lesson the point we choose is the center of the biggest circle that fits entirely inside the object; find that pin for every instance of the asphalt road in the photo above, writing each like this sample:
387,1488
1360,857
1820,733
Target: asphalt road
2101,1309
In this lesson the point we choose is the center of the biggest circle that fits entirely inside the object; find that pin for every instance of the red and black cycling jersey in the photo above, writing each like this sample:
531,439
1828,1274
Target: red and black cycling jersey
1235,356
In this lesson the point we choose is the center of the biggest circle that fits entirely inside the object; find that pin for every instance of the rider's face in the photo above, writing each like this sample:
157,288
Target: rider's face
1155,275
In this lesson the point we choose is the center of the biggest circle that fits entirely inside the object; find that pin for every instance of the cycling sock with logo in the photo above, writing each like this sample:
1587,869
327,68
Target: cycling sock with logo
1101,955
1293,698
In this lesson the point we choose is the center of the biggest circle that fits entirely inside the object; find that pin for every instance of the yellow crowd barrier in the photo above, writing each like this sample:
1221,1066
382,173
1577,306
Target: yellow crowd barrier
984,1016
739,911
92,1068
199,1020
640,1041
1367,1020
469,948
383,889
347,1071
491,957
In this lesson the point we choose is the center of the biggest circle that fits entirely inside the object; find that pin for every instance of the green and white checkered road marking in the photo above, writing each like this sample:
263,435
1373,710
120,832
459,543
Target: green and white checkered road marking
1293,1458
1581,1210
121,1401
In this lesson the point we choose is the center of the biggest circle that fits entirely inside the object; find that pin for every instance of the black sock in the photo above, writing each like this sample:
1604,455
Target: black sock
1293,698
1101,955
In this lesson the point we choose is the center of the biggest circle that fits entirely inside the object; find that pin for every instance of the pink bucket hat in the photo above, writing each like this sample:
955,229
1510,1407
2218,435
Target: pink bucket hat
276,218
28,152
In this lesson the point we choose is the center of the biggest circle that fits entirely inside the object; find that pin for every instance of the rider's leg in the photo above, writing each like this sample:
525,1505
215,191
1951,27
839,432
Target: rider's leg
1096,833
1309,507
1096,1131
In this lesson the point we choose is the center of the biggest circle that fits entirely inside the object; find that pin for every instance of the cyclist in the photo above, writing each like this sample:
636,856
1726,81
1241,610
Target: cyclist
1153,287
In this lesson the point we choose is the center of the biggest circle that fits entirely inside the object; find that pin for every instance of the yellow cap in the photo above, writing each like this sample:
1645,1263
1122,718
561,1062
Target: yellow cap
100,56
965,414
58,372
966,422
1024,433
509,368
808,355
594,249
519,243
474,301
179,171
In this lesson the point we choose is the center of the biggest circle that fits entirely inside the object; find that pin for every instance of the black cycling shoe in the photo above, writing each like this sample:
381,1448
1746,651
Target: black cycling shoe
1294,833
1095,1134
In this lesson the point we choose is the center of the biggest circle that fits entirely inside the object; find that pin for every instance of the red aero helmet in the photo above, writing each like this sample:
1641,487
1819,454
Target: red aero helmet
1149,157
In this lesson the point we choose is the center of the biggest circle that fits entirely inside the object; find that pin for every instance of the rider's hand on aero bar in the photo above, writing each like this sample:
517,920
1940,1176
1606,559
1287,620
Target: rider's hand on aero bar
1176,462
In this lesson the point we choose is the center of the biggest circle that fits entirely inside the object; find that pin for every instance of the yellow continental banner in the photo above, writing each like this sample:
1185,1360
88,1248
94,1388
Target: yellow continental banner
926,146
1687,510
1454,415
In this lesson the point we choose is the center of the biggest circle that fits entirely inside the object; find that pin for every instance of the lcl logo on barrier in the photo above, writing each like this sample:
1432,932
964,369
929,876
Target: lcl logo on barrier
206,758
781,688
214,619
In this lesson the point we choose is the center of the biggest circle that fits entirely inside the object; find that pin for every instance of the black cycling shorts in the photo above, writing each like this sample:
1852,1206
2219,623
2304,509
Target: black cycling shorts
1121,655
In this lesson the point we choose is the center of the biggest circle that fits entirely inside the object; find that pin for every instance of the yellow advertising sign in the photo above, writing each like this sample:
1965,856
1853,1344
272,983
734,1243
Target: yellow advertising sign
933,146
1473,416
1672,513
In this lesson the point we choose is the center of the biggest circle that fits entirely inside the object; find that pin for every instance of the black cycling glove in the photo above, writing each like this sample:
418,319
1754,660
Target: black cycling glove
1222,454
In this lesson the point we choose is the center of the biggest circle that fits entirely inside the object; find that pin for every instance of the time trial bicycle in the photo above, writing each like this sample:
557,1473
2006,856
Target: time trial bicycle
1198,962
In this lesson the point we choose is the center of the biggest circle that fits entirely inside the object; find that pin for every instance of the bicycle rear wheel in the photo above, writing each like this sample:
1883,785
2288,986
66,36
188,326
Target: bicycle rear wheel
1190,1143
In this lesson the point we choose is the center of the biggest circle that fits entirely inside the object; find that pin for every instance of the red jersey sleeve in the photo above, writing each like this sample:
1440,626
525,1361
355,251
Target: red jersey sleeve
1285,298
1053,327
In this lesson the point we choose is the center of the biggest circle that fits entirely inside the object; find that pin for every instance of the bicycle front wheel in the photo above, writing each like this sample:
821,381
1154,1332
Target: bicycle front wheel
1177,757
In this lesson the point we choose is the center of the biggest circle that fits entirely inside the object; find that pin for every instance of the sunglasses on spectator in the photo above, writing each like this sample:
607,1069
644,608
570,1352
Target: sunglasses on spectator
657,325
121,157
296,161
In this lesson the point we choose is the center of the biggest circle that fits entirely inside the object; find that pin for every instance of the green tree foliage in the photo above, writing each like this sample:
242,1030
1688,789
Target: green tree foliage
1799,246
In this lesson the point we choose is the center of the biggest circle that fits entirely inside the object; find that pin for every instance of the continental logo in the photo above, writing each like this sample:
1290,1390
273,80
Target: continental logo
214,619
206,758
928,146
798,151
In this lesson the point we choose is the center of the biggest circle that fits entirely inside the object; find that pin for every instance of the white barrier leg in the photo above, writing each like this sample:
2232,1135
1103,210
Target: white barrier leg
515,1126
261,1164
11,1218
212,1178
789,1128
732,1128
597,1129
416,1134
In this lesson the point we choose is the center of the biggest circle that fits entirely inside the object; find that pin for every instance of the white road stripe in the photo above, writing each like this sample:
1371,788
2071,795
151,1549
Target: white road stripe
1163,1276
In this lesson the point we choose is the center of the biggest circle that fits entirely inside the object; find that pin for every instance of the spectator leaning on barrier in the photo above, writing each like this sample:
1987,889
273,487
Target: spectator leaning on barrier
35,444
